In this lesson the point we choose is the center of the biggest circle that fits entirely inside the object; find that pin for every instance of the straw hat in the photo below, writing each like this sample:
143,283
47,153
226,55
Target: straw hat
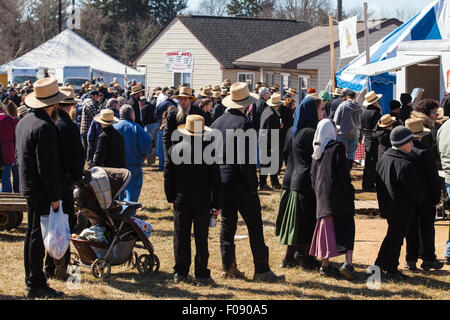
206,92
292,91
217,94
386,121
275,100
216,88
136,89
416,126
371,97
441,118
91,87
337,92
71,98
46,93
275,88
225,92
185,92
106,117
239,96
21,110
195,126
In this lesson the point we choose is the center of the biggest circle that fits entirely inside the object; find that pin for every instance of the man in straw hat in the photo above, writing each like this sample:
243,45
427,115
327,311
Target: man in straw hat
90,108
398,190
137,92
369,120
178,115
240,186
270,121
110,150
195,190
73,157
41,176
383,133
424,212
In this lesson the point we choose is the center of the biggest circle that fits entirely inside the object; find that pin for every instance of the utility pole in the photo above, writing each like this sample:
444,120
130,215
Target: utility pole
339,10
60,16
366,33
333,78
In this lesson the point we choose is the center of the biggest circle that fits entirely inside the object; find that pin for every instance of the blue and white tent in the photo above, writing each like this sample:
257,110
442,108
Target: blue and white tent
429,24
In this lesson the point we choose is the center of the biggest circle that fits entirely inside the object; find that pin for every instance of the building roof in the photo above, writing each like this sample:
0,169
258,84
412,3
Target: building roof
228,38
296,49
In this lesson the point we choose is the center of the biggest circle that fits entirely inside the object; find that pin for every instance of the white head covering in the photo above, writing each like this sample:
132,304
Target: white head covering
325,133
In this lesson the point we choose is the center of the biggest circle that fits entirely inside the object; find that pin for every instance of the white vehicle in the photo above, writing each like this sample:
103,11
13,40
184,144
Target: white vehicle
74,76
20,75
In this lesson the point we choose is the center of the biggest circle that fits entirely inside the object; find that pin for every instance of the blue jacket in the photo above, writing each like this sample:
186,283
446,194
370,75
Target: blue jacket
137,142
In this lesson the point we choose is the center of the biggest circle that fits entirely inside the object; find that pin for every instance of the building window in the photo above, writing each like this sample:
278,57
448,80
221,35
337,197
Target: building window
285,82
269,79
304,83
182,79
248,78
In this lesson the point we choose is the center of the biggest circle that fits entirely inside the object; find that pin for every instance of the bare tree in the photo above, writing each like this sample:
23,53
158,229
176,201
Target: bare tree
314,11
213,8
406,13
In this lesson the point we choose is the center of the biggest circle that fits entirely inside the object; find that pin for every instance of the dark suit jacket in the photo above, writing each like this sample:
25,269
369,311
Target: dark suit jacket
237,175
39,157
192,186
148,114
257,111
110,152
398,186
72,150
134,102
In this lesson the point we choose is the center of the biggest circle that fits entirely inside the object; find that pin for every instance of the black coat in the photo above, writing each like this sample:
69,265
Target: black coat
219,109
427,172
234,174
172,125
383,137
289,158
192,186
369,120
269,121
72,150
405,113
148,113
257,111
332,183
39,157
110,152
302,150
398,185
333,106
134,102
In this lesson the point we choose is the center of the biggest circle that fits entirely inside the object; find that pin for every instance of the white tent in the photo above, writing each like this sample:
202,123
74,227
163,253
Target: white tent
69,49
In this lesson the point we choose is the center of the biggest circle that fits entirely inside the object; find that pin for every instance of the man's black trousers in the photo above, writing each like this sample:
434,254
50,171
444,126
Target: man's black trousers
389,253
422,224
238,199
182,241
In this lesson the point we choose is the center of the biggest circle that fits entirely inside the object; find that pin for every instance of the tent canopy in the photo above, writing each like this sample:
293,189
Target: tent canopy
69,49
388,65
429,24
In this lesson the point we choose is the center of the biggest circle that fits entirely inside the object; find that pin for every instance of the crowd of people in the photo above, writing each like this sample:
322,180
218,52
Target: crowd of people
50,134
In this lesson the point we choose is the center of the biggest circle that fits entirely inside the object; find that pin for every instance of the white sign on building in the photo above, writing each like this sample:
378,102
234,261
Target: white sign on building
347,36
179,61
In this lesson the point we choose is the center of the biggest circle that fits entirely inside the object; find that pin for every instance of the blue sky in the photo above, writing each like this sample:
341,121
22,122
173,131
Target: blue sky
385,7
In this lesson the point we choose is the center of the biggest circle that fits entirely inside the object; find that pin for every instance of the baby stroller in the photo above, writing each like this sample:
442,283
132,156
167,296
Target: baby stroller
95,197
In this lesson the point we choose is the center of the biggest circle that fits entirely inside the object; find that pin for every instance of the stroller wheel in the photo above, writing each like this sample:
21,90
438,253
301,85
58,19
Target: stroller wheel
101,269
144,264
133,260
74,259
155,263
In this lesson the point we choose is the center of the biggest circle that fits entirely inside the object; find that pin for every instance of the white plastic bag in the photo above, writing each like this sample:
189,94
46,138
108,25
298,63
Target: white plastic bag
56,232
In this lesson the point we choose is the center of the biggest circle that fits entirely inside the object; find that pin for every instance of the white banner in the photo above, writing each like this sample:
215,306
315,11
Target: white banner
179,61
348,39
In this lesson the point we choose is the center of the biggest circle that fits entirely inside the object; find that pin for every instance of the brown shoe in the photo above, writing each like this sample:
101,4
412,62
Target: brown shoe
233,273
268,277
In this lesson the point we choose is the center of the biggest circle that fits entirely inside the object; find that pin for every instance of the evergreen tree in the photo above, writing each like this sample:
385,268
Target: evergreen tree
164,11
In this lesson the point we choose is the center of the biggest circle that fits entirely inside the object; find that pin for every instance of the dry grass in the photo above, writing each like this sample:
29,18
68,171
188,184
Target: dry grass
126,283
